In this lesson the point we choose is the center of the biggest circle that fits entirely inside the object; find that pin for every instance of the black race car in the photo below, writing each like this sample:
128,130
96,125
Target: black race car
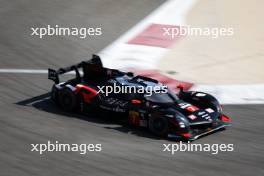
186,115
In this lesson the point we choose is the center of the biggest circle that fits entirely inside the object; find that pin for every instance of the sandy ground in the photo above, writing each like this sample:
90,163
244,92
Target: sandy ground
237,59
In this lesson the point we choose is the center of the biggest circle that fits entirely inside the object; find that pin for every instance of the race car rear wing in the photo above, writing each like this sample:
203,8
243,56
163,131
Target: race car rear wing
54,74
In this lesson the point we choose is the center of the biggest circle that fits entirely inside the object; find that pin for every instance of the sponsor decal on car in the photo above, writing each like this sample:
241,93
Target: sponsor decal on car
192,117
134,118
188,107
209,110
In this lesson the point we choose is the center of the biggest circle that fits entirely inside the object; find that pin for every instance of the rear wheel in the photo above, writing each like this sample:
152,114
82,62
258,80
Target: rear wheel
67,99
54,95
159,125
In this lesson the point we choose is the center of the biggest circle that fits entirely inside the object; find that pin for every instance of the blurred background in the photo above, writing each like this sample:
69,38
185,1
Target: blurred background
27,116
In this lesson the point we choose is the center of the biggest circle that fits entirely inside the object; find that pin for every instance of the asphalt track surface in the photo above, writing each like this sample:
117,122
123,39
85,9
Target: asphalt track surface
27,116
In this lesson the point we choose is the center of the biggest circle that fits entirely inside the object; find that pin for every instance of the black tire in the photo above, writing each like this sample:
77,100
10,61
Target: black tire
159,125
67,99
54,95
80,104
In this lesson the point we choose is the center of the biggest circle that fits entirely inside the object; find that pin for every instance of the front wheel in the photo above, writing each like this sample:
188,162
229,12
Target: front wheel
158,125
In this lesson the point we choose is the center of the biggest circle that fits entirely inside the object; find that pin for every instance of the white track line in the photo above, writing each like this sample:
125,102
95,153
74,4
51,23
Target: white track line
29,71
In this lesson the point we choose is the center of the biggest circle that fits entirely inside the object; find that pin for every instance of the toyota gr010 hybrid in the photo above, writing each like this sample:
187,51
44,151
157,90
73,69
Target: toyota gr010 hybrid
185,115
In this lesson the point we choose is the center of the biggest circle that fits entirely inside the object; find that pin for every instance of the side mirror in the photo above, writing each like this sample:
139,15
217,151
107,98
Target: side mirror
180,86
